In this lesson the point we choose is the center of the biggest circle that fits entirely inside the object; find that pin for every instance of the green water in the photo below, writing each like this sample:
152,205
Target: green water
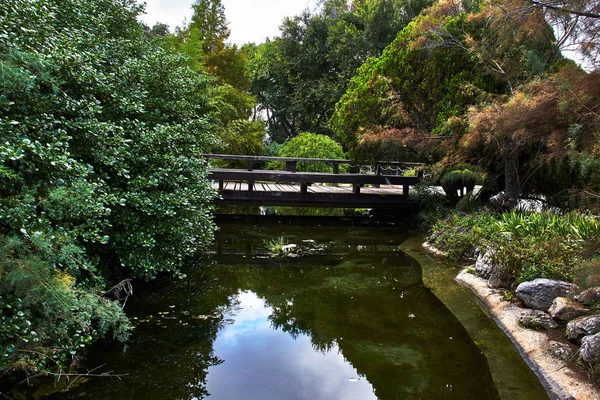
347,317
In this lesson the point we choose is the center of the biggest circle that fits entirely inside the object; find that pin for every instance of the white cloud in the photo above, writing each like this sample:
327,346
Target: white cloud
249,21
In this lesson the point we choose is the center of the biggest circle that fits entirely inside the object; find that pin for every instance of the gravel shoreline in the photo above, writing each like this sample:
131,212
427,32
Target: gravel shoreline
561,381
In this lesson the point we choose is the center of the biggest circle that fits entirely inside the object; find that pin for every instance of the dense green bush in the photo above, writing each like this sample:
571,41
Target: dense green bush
526,245
100,170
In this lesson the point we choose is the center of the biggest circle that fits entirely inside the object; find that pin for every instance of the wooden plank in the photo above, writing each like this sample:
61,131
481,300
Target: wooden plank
317,189
314,199
284,159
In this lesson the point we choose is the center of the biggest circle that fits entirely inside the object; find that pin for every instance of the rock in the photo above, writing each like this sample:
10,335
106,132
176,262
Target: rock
584,326
500,202
539,293
288,247
590,348
589,297
536,319
561,351
565,310
500,279
483,265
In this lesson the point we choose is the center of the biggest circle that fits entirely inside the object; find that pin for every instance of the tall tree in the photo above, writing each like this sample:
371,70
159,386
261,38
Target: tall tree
303,73
209,19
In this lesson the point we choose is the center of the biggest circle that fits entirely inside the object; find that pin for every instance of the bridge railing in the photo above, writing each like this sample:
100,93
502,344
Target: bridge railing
290,175
291,163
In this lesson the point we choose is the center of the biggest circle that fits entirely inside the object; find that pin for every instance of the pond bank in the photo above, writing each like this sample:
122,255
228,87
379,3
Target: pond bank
561,381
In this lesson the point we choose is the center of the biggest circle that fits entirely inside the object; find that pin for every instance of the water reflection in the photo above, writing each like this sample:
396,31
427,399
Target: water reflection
263,363
349,318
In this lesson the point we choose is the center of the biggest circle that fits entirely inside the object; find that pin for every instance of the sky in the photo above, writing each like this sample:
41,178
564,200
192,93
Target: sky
249,20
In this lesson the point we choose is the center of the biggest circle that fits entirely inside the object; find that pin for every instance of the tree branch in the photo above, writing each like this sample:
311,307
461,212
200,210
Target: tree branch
567,10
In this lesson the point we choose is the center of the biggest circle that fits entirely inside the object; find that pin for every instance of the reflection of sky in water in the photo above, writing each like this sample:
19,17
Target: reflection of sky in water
262,363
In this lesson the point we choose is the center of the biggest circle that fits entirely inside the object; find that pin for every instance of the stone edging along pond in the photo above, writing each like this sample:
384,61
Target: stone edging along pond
560,377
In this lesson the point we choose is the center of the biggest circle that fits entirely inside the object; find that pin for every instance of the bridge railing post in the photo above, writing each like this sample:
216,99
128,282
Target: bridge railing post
250,165
291,166
336,170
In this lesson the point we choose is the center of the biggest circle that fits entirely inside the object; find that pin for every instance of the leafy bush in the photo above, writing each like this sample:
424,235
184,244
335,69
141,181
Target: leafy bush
100,170
460,234
432,204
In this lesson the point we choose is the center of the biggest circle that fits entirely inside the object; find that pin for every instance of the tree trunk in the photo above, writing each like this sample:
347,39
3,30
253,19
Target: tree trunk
511,182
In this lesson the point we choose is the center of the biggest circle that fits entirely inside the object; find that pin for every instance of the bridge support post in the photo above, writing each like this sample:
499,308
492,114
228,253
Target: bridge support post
249,165
356,188
303,188
251,186
221,186
405,190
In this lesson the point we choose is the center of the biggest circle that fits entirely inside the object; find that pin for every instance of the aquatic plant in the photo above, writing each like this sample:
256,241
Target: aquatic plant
276,246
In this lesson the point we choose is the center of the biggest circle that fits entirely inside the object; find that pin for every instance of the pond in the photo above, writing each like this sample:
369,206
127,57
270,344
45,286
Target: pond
343,314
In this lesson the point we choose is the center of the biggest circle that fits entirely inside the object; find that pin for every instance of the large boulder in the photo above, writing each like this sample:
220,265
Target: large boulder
565,310
483,265
561,351
501,279
536,319
583,326
539,293
590,348
589,297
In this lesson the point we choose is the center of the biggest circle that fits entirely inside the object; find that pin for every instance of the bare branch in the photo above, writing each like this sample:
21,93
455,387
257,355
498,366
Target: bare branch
565,9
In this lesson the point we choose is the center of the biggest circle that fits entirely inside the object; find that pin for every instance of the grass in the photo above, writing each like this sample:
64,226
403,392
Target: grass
276,246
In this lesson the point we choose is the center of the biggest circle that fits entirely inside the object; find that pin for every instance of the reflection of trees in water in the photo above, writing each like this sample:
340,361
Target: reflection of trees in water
172,347
359,304
366,313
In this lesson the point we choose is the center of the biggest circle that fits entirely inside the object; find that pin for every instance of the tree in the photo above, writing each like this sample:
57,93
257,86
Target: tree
544,137
576,23
209,19
158,30
311,145
413,89
299,76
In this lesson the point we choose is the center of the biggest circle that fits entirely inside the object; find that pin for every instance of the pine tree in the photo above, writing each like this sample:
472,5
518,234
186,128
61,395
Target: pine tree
209,19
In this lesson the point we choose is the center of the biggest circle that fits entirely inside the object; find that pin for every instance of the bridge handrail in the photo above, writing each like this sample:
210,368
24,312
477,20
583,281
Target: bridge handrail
291,162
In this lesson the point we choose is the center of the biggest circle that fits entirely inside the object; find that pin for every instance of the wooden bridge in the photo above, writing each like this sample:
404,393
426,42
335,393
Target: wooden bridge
365,186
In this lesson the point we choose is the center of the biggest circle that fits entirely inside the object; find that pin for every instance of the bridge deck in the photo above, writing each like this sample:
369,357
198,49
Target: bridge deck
317,195
391,190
